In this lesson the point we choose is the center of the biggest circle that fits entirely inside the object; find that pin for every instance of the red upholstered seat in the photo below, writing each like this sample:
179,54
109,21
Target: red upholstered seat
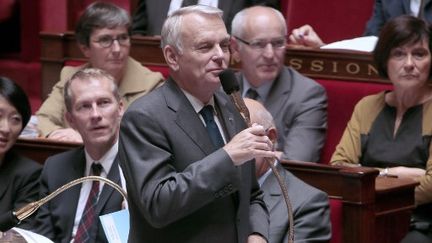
163,69
333,20
342,97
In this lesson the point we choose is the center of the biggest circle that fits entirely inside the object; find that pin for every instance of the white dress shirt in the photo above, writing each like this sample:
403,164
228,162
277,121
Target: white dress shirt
106,161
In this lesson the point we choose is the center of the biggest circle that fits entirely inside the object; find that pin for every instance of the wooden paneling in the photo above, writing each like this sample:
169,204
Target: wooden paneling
57,48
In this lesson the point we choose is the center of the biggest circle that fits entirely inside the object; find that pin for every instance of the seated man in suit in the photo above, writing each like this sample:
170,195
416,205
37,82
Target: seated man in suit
102,34
185,150
310,206
297,103
383,11
94,108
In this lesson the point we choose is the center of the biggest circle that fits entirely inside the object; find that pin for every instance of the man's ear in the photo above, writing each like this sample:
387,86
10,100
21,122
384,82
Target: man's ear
70,119
272,134
171,57
121,108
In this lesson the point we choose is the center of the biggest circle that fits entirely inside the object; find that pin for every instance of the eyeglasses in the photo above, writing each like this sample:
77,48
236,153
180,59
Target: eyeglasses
260,44
107,40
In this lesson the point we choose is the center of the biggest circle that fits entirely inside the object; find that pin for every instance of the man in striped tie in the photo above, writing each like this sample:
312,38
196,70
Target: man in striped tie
94,109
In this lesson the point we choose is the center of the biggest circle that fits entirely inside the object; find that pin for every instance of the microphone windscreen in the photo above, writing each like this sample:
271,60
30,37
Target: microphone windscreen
229,81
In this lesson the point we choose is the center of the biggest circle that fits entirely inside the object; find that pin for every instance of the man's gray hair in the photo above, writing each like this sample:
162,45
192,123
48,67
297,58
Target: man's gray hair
87,74
171,29
238,23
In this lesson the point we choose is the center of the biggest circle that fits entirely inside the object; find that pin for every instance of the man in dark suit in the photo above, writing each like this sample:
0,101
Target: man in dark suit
184,148
150,14
94,109
297,103
385,10
311,211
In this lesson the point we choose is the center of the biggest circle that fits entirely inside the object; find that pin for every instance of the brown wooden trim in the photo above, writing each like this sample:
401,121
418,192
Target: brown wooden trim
375,209
318,64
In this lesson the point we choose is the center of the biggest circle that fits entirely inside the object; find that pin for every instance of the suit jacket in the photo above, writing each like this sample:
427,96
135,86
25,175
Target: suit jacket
310,206
137,81
151,14
55,219
385,10
180,187
18,184
299,107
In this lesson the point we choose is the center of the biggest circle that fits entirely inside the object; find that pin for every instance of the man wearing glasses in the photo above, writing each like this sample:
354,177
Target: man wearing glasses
102,34
297,103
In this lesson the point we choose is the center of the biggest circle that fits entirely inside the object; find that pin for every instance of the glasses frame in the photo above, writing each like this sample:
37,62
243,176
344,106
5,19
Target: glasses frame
256,47
121,42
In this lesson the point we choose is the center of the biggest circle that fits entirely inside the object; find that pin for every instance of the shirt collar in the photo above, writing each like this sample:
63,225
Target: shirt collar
106,161
196,103
263,90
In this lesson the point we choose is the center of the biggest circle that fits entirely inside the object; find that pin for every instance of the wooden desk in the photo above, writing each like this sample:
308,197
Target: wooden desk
41,148
58,48
375,209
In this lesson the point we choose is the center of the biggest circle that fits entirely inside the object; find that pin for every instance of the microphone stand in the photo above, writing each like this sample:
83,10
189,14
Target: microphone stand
30,208
230,86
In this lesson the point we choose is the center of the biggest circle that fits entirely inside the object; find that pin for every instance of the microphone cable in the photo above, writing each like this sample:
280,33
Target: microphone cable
231,87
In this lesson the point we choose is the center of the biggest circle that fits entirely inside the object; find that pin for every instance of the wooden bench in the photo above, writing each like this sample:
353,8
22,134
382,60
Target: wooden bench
40,149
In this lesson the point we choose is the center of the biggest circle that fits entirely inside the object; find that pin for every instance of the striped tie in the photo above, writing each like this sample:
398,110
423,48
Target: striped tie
88,217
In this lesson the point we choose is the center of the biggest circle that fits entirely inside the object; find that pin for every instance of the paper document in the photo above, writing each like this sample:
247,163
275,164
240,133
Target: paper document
365,43
116,226
32,237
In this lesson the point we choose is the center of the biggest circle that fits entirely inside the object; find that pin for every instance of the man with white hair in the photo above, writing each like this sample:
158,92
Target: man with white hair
297,103
185,149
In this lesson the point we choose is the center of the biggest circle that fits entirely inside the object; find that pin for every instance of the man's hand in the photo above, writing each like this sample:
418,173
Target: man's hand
66,135
305,36
248,144
255,238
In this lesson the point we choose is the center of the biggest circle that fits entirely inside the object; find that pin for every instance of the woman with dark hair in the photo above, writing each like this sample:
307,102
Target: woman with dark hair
392,130
18,175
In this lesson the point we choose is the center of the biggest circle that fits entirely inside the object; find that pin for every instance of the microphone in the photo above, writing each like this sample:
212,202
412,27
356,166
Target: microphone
13,218
231,88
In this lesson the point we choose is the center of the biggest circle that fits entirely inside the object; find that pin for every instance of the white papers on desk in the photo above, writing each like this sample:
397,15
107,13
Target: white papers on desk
32,237
365,43
116,226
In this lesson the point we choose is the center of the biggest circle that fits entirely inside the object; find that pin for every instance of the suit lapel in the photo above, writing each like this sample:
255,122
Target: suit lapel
227,115
279,90
4,181
272,189
186,117
72,194
107,191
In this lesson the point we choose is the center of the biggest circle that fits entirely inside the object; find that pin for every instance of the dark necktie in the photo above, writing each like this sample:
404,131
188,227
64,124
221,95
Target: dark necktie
252,94
211,126
89,214
189,2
